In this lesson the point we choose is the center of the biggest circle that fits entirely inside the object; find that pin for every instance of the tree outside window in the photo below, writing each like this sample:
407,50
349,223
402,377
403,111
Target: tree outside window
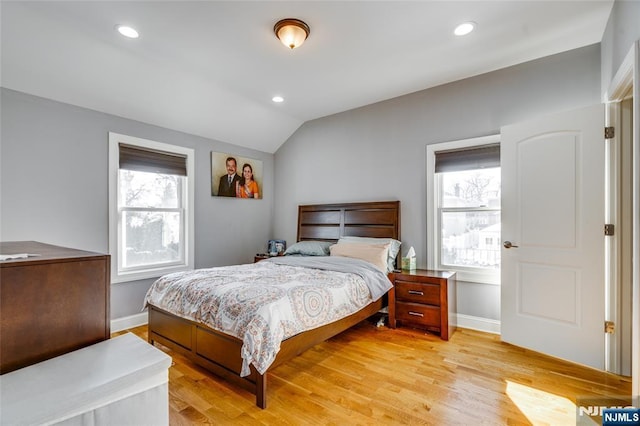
469,211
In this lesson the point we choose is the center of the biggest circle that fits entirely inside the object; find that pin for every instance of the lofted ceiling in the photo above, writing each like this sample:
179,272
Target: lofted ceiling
211,68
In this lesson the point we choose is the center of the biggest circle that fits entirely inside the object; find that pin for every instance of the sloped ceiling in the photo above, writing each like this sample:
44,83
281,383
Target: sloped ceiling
210,68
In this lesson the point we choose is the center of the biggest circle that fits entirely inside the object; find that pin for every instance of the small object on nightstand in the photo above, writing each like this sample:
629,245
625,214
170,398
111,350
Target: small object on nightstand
423,299
277,247
409,261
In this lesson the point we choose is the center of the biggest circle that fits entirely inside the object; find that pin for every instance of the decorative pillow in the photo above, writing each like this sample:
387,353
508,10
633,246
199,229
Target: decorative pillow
309,248
372,253
394,247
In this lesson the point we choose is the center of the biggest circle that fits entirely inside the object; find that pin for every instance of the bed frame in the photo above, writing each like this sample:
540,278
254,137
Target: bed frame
220,353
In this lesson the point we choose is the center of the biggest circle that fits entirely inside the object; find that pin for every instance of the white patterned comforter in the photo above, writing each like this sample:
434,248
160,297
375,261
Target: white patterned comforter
264,303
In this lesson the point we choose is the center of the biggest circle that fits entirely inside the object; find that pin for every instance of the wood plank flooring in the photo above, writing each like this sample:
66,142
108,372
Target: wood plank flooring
373,376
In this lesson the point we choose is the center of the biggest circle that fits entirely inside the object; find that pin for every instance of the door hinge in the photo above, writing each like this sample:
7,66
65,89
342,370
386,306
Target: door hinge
609,132
609,229
609,327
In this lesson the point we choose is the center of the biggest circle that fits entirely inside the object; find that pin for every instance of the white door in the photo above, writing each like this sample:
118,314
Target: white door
552,298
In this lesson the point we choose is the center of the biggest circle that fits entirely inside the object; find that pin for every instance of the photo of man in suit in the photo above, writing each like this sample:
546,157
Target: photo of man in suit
227,185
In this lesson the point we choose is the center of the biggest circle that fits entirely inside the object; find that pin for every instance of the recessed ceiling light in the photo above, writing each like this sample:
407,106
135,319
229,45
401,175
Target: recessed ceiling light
127,31
277,99
464,28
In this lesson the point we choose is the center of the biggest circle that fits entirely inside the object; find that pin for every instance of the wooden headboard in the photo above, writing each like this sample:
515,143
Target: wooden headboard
329,222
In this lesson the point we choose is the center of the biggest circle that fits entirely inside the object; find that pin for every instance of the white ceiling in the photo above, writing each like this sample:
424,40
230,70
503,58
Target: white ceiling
210,68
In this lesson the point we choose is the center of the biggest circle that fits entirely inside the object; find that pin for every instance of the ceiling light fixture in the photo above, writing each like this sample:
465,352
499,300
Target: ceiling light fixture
291,32
277,99
464,28
127,31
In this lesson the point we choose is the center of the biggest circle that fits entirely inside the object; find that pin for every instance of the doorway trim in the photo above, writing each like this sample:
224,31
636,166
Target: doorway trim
626,83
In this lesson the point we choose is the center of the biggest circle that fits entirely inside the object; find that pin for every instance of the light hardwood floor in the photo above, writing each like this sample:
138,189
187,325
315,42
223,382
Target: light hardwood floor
374,376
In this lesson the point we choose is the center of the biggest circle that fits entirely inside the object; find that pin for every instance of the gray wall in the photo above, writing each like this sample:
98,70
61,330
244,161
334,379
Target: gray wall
54,189
623,29
378,152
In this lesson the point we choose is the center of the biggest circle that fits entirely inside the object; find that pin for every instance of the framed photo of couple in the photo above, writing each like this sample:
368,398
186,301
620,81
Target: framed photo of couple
235,177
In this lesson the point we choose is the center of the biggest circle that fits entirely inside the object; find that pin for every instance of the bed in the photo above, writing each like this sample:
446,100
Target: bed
221,353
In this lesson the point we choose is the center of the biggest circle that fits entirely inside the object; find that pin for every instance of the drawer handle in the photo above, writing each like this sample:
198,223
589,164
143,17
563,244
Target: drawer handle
416,314
419,293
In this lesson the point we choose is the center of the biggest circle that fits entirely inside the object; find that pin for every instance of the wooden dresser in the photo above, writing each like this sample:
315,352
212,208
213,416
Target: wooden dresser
52,303
423,299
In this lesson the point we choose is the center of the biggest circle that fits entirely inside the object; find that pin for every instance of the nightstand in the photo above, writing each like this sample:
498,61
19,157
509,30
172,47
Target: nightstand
423,299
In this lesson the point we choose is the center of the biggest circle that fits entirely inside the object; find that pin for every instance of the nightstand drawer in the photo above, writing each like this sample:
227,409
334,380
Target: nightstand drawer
426,315
418,292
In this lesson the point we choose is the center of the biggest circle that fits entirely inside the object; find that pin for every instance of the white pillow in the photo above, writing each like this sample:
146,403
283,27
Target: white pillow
373,253
394,247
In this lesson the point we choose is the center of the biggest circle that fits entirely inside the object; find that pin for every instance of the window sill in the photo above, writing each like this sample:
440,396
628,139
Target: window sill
474,277
124,277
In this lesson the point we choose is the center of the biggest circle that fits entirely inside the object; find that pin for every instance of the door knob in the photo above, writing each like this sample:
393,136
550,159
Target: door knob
508,245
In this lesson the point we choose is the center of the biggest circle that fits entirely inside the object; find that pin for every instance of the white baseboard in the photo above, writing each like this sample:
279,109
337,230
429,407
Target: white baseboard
461,320
131,321
478,323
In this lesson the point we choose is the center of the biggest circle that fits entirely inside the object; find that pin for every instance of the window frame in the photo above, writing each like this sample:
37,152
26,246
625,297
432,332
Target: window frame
118,274
467,274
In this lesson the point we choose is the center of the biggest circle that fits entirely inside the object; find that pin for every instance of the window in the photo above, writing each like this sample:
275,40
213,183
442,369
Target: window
463,181
151,208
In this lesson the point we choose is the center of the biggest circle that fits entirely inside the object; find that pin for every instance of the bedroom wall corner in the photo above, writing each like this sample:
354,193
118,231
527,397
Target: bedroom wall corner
621,32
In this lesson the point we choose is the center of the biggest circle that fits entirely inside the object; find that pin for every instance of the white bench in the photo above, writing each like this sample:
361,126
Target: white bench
121,381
